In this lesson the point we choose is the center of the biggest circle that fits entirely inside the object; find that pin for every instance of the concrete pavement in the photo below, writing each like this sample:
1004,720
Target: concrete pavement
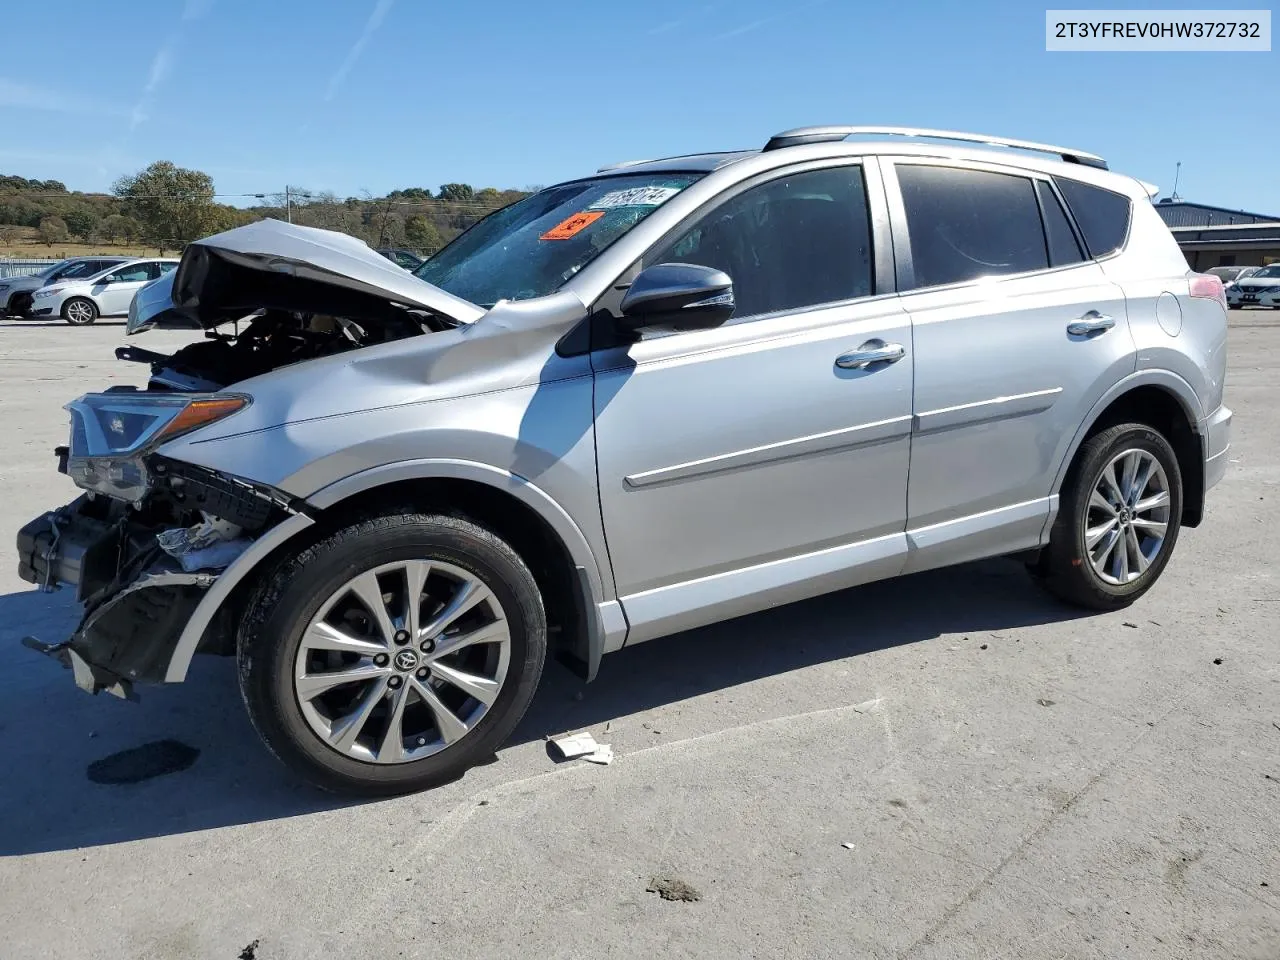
1015,779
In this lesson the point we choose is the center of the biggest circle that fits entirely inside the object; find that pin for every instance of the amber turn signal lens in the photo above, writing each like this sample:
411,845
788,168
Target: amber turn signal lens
199,413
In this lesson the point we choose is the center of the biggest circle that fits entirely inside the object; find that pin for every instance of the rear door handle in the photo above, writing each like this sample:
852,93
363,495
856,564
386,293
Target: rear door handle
1091,322
873,351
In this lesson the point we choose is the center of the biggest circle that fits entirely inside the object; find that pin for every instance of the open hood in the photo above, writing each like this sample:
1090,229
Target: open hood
271,265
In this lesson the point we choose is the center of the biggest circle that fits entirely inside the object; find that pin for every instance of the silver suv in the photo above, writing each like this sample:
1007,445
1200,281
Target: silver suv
668,394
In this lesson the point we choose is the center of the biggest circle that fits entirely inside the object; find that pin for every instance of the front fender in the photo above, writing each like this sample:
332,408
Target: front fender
603,614
531,495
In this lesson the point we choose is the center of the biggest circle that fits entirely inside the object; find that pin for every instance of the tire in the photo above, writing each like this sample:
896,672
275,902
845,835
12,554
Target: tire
291,601
1067,566
79,311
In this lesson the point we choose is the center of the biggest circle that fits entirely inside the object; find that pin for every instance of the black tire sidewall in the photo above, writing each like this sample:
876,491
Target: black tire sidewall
273,632
1100,450
79,323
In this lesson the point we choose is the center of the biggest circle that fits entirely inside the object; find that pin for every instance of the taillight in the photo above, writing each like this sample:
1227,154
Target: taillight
1208,287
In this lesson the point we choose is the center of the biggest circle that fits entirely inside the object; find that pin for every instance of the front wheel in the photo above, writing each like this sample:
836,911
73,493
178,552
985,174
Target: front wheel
79,312
1118,519
394,654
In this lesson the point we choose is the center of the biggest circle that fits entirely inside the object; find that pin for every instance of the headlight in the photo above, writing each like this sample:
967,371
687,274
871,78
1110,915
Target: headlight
112,432
46,292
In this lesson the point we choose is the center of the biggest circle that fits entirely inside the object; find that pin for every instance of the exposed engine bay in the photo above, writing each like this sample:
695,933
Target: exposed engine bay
271,339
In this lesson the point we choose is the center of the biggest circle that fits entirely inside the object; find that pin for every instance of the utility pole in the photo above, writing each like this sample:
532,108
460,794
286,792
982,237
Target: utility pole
288,213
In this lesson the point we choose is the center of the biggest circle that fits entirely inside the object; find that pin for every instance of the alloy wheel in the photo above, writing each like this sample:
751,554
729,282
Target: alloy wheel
1127,517
402,661
78,311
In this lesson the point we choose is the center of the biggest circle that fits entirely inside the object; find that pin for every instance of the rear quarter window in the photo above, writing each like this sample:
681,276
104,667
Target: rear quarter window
1102,215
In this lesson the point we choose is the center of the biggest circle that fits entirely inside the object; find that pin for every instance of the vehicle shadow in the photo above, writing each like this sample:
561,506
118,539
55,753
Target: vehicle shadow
50,733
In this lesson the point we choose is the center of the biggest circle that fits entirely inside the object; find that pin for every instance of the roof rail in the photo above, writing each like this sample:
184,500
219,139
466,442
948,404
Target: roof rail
791,138
619,166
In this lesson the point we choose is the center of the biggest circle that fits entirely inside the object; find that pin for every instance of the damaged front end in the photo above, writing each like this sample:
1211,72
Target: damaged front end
141,565
149,539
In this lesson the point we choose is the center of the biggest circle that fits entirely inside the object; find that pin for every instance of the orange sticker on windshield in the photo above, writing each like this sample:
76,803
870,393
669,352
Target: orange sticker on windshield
572,226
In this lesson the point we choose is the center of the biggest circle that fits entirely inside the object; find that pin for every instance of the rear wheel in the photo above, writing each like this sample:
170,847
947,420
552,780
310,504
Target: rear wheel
393,655
79,312
1118,519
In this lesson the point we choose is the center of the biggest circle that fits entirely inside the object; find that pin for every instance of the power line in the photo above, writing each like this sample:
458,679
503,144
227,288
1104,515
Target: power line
310,197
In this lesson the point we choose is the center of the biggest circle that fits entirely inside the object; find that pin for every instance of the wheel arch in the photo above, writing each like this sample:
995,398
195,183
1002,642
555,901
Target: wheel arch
1164,402
585,619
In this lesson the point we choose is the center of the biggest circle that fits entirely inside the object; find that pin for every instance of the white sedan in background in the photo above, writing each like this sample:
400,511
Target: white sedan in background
105,294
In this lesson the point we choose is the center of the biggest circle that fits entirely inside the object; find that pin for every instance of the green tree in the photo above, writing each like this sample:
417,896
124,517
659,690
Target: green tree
421,235
173,205
457,191
113,227
81,221
53,230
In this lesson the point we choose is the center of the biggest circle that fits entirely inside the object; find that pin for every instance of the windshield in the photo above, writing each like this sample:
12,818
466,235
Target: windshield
53,269
532,247
1269,272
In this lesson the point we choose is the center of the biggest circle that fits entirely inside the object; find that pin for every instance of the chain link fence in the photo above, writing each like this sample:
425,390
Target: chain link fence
22,268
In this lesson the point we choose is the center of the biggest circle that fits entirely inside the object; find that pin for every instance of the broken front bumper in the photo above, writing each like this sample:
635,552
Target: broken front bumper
129,631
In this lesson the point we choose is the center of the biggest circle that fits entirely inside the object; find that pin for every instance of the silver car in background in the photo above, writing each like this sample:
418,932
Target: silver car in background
660,396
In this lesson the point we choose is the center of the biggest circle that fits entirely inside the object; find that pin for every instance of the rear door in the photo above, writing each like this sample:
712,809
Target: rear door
1017,333
744,465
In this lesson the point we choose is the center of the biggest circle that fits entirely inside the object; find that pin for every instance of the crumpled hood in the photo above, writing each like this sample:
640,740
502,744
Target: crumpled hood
282,265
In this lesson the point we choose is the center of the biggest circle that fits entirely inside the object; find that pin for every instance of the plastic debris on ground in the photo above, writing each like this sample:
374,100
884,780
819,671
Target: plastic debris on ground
583,745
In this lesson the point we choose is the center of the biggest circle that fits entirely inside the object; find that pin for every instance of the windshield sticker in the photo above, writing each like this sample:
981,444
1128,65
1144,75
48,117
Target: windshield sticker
573,225
635,197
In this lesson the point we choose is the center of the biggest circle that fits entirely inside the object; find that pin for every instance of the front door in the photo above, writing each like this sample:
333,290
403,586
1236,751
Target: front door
762,461
1017,334
114,297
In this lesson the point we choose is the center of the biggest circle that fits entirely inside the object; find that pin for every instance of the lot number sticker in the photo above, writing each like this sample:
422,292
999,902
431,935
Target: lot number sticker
635,197
572,226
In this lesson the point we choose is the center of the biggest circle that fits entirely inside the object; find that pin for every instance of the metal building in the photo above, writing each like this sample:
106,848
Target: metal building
1217,237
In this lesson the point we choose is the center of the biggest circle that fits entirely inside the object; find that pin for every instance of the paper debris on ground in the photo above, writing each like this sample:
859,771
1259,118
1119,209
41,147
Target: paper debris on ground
847,846
602,756
584,745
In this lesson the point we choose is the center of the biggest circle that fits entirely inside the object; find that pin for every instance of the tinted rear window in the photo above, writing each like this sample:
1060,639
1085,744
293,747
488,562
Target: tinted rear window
1103,216
966,224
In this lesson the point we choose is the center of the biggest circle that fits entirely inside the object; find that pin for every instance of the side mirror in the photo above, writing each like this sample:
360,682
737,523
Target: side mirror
103,280
682,296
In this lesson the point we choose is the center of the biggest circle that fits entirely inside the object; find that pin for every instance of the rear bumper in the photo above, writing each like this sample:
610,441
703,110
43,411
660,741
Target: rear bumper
1216,431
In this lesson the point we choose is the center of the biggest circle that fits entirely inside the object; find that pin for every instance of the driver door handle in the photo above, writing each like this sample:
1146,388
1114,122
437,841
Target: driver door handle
1091,322
873,351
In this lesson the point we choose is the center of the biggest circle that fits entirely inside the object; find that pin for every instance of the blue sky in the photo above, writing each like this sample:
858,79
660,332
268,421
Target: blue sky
379,94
